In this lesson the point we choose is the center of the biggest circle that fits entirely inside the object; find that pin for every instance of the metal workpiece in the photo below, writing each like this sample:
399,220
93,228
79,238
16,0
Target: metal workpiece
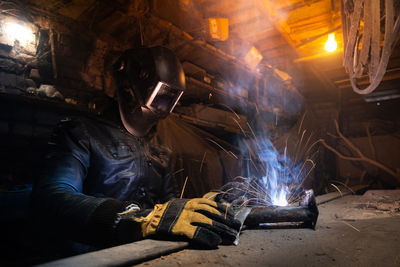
305,215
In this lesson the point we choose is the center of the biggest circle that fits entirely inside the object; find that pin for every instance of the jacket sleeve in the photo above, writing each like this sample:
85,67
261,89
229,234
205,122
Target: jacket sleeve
57,195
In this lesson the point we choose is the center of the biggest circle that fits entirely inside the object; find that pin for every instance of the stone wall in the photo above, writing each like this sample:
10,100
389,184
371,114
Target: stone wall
47,71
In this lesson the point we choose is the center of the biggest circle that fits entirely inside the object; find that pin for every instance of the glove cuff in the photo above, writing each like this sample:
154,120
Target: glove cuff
101,228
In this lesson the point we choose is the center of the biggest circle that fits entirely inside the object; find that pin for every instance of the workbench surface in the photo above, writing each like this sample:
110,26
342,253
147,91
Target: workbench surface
348,233
351,231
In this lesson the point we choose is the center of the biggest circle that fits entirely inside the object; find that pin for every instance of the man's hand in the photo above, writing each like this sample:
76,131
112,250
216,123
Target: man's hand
204,221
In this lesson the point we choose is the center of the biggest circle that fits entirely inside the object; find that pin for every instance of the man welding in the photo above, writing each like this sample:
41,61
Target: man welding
107,183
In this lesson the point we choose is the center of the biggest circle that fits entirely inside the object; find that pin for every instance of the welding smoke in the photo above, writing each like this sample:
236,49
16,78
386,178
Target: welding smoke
271,89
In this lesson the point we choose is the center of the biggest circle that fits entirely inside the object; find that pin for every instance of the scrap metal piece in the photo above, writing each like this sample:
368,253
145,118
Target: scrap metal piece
241,215
305,215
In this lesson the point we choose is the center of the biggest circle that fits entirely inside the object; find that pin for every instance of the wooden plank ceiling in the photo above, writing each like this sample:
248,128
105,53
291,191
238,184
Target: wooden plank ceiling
290,36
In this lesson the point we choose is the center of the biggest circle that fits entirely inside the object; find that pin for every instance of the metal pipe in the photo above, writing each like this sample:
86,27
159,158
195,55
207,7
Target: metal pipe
305,215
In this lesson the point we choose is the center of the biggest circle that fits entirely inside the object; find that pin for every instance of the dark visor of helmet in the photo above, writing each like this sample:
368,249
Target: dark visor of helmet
163,98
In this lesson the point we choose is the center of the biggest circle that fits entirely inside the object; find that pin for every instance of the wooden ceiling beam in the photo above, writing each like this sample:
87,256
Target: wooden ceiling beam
306,12
392,74
256,19
271,43
197,43
224,6
310,21
249,28
240,11
268,32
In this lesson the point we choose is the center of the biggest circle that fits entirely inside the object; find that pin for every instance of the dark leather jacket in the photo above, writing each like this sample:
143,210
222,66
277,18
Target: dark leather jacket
92,170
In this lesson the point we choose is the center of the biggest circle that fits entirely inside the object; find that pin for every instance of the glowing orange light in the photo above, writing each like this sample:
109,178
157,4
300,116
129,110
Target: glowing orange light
253,57
219,28
331,44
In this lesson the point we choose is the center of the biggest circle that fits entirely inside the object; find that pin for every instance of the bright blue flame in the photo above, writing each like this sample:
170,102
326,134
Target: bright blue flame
278,173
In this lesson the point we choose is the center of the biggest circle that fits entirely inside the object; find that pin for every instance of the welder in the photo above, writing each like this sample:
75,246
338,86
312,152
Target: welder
106,183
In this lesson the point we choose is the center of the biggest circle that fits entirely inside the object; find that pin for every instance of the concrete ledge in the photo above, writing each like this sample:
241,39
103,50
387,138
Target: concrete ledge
123,255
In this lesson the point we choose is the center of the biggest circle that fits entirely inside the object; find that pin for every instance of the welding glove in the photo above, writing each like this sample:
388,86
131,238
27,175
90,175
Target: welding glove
201,220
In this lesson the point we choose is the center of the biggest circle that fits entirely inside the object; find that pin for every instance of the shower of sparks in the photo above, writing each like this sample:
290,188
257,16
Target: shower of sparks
271,178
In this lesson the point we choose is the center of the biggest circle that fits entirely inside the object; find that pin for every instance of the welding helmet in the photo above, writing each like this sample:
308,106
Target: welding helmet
150,82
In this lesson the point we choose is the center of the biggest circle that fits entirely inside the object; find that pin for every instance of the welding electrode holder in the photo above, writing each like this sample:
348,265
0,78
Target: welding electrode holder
305,215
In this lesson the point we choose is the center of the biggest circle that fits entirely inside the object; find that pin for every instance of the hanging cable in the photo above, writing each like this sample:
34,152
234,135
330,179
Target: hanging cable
371,57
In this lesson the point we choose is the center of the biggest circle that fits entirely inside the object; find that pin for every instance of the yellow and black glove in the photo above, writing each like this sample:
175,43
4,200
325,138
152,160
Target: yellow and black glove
235,194
201,220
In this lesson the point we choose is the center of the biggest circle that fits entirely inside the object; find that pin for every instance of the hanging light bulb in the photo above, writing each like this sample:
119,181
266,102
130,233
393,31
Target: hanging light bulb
331,44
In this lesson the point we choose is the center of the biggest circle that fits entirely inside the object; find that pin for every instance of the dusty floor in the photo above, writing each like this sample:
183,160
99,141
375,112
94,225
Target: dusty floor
351,231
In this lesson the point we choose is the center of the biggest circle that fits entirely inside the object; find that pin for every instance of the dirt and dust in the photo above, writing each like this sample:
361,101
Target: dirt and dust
351,231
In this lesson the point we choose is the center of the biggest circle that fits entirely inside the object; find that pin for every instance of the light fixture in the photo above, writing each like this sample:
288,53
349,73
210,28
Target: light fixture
219,28
331,44
16,31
